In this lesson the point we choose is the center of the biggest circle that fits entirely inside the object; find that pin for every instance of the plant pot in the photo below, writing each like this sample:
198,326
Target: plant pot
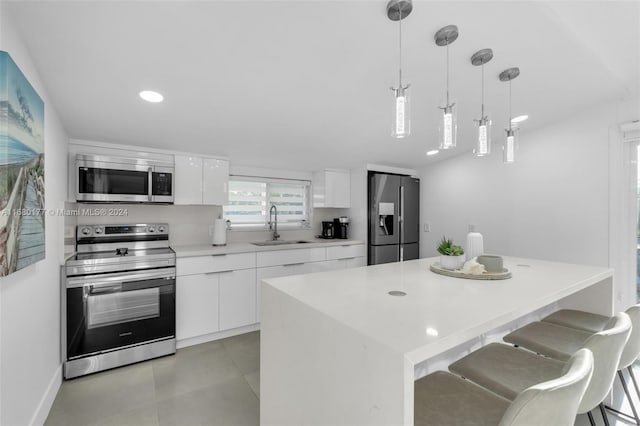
452,262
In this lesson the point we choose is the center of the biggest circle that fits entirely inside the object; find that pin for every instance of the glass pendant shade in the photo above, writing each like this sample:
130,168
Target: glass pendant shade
483,141
401,126
448,127
509,148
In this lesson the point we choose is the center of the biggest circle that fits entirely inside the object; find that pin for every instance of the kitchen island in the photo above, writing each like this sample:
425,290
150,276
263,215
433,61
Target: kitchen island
338,349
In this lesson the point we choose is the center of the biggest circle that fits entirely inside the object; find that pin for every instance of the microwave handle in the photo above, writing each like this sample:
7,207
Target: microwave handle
150,177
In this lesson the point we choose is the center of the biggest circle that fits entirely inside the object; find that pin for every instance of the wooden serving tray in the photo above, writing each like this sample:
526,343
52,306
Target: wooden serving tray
505,274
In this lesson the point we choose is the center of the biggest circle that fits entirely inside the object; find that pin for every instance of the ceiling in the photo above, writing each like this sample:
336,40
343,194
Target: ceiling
305,84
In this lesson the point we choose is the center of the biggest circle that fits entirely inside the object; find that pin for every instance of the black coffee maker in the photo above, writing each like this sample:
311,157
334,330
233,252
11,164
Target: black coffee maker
328,230
340,225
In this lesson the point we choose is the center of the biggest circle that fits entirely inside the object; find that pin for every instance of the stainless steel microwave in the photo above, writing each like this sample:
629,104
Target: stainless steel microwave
109,179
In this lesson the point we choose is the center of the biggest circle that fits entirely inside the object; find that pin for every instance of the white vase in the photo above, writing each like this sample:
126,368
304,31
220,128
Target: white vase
451,262
474,245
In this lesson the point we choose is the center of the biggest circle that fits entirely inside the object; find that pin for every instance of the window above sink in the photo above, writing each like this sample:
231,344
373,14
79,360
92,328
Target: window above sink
251,197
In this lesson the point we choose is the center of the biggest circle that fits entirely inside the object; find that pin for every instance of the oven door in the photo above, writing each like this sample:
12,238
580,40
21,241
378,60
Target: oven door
112,311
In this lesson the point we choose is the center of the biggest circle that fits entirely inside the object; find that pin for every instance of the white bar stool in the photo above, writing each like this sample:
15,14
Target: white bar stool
559,343
506,370
444,399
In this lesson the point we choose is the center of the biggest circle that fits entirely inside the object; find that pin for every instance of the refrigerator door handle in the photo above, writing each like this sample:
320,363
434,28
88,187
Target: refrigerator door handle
401,221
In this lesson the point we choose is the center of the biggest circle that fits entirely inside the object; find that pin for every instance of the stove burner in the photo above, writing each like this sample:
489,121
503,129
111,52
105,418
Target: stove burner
122,251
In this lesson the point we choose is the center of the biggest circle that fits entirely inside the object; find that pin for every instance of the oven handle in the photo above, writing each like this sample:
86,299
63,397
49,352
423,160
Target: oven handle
104,289
121,277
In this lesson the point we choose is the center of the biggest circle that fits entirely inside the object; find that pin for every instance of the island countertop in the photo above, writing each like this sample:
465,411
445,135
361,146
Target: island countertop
358,345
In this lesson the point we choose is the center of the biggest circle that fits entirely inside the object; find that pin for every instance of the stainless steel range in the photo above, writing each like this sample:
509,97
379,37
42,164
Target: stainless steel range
120,297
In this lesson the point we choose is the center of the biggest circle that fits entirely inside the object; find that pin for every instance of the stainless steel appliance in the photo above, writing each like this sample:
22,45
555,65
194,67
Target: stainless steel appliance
119,179
120,297
340,227
327,230
394,218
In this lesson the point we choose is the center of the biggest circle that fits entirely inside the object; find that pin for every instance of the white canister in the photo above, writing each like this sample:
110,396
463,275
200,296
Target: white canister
474,245
219,232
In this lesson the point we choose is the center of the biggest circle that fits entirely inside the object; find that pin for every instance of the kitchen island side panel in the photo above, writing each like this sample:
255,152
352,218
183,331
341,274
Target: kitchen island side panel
317,371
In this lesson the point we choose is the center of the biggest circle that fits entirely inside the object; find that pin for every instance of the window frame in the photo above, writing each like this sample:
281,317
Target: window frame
264,225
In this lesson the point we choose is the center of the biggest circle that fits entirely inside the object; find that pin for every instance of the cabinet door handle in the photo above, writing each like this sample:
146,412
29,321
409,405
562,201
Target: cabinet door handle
219,254
347,258
218,272
294,264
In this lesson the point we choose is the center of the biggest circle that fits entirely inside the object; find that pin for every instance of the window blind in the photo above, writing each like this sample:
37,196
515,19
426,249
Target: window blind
250,199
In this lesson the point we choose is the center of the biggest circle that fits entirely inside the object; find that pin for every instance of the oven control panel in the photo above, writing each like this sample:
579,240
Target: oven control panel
110,231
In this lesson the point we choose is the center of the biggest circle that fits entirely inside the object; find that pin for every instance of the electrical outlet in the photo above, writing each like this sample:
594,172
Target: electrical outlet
427,227
472,228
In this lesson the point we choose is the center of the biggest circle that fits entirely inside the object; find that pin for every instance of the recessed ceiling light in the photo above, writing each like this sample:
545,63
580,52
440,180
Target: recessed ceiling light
151,96
432,332
519,119
433,152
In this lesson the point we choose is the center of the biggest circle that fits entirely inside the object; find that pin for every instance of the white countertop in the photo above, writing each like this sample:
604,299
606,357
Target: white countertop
454,310
207,249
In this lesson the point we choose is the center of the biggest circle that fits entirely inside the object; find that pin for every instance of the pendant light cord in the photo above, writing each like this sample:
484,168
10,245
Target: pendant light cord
482,96
509,124
400,49
447,74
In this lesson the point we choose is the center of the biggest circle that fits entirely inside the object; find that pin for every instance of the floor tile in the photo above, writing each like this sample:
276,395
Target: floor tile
245,351
254,381
83,400
228,403
191,369
147,416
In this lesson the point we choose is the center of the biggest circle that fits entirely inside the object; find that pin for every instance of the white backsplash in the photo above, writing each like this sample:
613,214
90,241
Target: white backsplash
187,224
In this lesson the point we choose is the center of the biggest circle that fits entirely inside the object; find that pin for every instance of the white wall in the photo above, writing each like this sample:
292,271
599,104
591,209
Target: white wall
30,362
553,203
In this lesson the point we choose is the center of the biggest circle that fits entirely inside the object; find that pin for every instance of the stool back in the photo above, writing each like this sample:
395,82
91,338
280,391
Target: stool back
554,402
632,349
606,346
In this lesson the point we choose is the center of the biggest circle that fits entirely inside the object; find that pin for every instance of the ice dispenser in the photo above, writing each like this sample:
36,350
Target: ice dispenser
385,218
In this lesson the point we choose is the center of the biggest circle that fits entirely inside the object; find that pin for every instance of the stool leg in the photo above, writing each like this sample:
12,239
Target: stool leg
604,414
593,422
626,391
633,379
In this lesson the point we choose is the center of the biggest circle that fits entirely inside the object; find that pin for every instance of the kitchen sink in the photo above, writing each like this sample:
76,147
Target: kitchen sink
277,242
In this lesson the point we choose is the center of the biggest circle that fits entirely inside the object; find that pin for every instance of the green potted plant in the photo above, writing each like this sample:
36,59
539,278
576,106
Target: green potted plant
451,255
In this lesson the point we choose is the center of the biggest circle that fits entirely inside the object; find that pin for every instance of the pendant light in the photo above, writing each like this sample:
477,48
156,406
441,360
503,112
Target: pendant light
397,10
510,145
448,125
483,141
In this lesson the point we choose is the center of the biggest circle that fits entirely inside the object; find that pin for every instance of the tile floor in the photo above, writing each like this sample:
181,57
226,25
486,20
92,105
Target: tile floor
215,383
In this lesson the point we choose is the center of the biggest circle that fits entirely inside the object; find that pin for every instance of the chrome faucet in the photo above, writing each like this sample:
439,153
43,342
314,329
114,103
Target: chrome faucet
273,225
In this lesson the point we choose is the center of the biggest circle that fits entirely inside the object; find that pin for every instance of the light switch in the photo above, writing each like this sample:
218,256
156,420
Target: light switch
427,227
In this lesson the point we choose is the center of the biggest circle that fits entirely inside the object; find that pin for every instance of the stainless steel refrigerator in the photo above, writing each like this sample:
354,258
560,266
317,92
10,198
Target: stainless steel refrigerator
394,218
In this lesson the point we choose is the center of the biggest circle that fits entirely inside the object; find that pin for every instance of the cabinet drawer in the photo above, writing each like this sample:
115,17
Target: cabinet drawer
343,252
288,257
217,263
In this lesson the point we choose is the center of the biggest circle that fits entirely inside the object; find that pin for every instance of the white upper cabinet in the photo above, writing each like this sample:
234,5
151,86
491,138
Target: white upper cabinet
332,188
201,180
215,181
188,180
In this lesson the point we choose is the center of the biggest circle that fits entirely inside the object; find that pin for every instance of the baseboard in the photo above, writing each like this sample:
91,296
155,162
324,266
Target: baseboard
46,402
183,343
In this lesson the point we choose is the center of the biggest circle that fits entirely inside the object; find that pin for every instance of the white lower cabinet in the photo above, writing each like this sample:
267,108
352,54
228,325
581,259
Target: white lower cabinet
197,305
280,271
222,292
238,296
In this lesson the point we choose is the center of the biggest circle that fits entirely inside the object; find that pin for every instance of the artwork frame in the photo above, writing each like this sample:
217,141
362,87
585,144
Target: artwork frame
22,218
